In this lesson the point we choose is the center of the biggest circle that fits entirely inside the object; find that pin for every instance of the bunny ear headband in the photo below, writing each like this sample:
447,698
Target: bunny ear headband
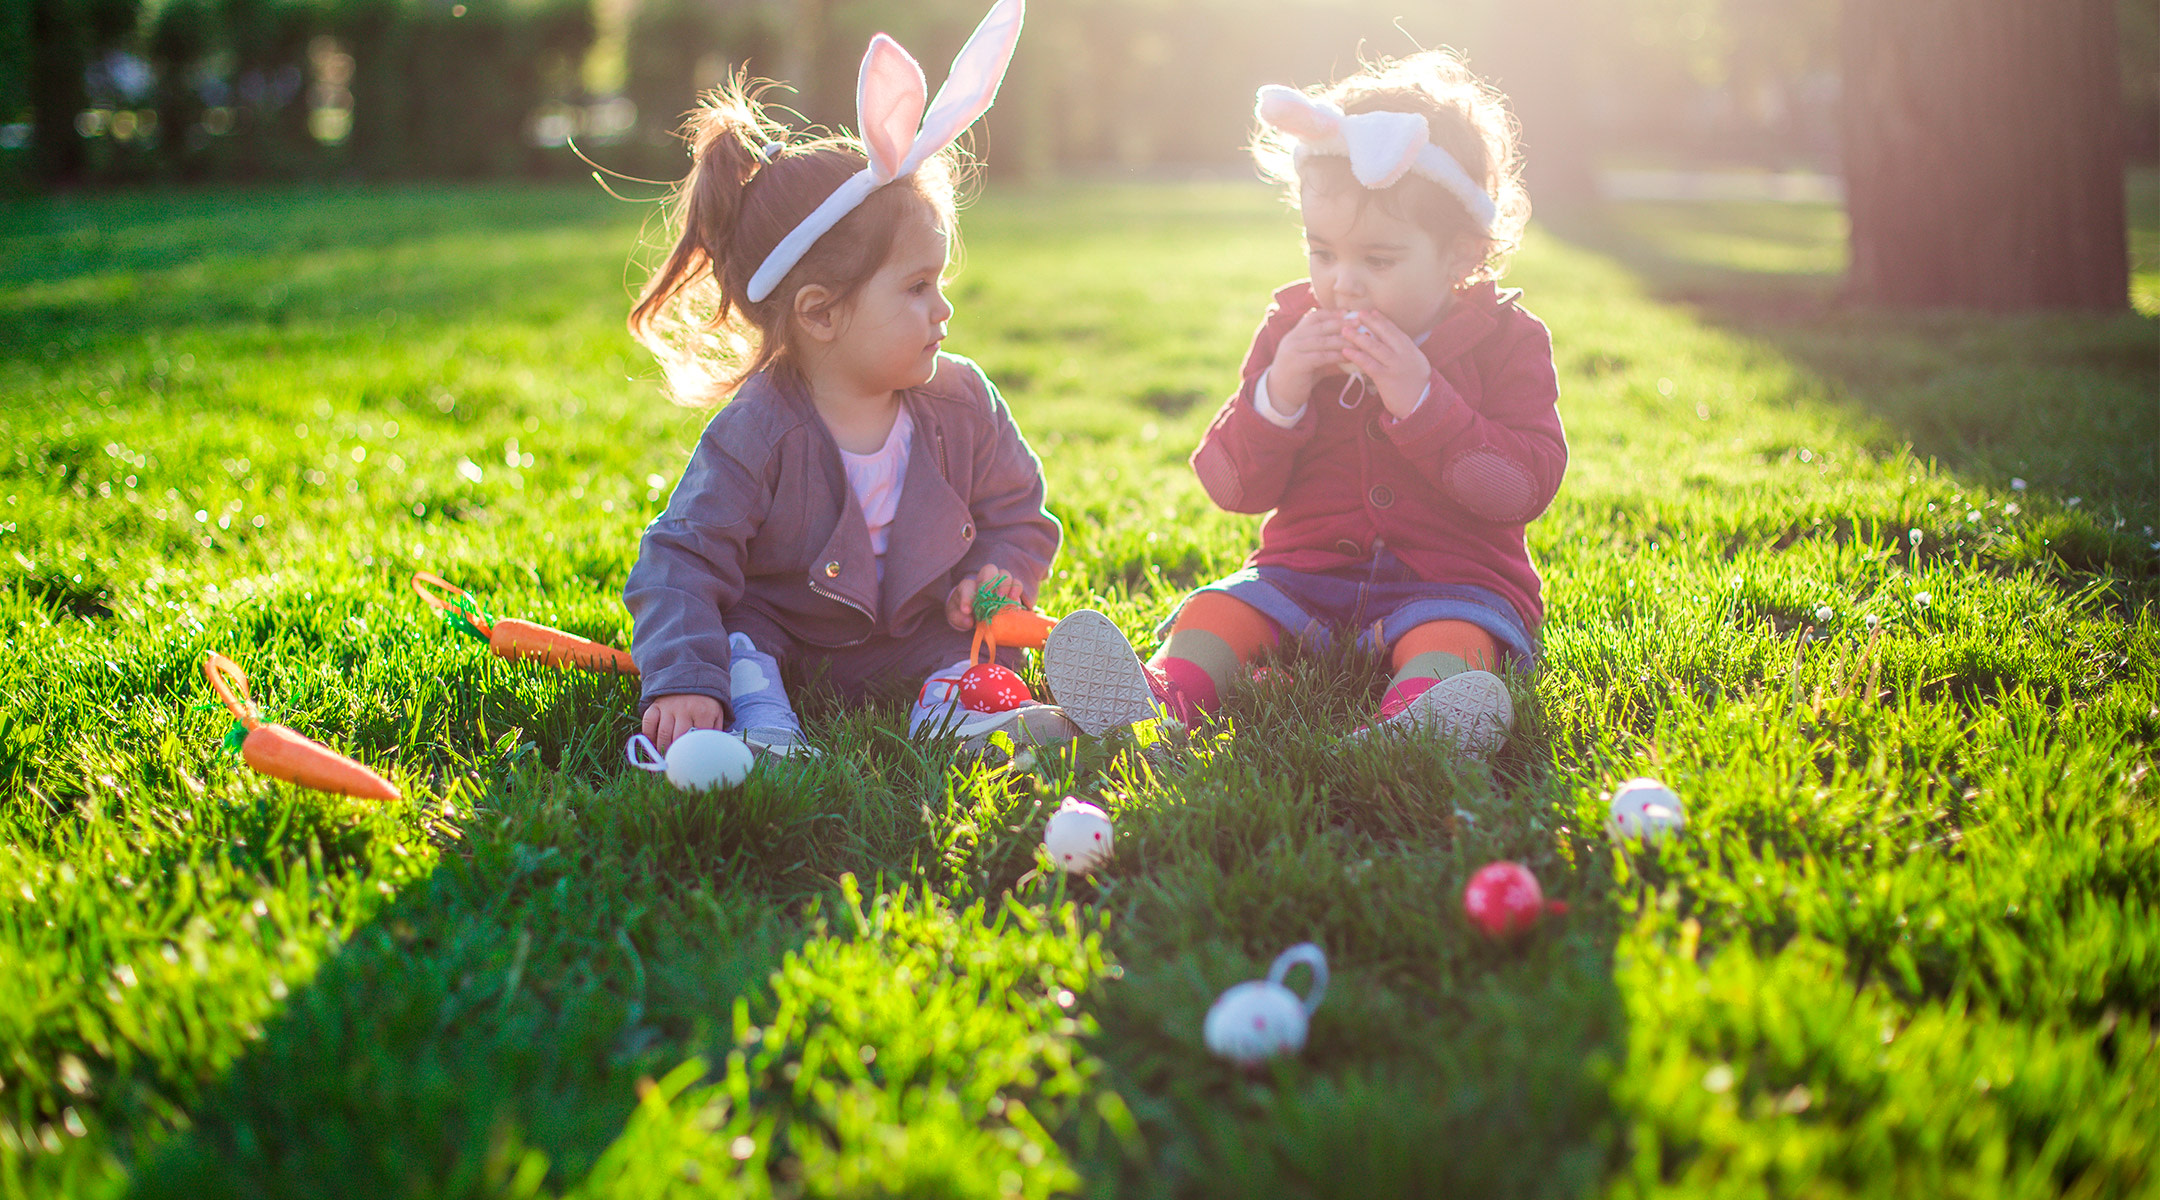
889,98
1382,146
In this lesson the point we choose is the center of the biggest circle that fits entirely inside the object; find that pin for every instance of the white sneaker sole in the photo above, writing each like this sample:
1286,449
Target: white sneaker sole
1472,709
1027,725
1094,675
782,746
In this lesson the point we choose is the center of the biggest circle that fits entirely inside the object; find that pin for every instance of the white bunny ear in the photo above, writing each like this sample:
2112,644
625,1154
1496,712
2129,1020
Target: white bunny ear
972,87
1383,145
889,98
888,102
1297,114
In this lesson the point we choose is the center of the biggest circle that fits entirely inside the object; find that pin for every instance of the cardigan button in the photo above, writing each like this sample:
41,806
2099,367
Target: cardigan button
1374,431
1349,548
967,532
832,570
1380,496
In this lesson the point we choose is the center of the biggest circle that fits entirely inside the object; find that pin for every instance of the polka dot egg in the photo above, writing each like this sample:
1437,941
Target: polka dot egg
1078,836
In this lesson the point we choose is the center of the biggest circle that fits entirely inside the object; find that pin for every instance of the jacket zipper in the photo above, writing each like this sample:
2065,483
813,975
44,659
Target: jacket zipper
844,600
943,473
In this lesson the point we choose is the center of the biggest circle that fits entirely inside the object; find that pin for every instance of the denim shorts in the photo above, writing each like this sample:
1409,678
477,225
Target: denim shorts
1381,599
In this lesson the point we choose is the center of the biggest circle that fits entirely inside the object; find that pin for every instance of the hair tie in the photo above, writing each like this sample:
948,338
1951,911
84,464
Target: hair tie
1382,146
767,151
897,130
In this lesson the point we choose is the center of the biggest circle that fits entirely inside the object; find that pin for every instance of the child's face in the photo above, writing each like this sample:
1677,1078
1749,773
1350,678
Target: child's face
1365,260
891,329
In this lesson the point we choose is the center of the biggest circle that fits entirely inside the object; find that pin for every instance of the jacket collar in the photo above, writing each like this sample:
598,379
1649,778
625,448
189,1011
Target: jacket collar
1473,316
923,542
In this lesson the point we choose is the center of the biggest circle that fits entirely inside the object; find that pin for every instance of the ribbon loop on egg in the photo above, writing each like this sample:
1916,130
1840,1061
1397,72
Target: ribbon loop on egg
1310,955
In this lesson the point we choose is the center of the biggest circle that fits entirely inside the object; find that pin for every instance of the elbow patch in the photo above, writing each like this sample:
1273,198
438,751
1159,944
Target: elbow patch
1219,476
1492,486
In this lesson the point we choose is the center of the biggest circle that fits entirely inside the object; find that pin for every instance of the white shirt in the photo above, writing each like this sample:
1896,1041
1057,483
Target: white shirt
876,478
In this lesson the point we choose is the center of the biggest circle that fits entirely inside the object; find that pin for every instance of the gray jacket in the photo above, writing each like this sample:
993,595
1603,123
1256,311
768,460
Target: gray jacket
764,533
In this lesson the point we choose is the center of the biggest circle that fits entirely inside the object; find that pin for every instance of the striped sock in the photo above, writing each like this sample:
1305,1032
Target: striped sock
1214,636
1432,652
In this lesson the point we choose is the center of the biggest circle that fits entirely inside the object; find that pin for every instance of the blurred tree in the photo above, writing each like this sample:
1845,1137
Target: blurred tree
64,36
15,47
677,48
2139,32
14,60
376,33
268,40
181,36
1983,153
1538,57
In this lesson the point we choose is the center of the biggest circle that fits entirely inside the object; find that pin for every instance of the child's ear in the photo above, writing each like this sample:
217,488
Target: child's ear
818,312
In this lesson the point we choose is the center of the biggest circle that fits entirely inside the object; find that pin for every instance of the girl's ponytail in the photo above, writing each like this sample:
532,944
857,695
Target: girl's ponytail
726,134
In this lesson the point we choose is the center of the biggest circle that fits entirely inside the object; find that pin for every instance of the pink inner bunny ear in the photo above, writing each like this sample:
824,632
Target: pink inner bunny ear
972,86
889,105
1295,113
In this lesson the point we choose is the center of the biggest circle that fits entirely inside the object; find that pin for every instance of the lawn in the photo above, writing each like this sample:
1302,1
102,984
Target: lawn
1875,593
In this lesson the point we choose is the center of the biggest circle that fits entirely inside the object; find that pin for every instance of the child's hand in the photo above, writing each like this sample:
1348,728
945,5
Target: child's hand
960,605
670,717
1313,348
1386,356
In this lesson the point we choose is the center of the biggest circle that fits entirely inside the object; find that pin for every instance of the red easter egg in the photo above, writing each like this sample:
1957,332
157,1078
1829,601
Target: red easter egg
1503,899
990,688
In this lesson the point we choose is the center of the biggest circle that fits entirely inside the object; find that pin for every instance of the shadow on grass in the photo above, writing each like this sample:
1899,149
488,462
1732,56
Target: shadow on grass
493,1027
2064,401
594,929
509,1001
1441,1062
89,273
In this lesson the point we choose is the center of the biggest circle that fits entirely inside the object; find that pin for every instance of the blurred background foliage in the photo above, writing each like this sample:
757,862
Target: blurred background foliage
128,91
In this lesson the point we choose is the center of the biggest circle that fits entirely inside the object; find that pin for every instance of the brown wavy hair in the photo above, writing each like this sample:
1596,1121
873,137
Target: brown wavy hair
728,213
1464,115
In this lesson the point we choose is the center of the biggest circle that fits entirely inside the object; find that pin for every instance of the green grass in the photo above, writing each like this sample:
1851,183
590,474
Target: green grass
1910,944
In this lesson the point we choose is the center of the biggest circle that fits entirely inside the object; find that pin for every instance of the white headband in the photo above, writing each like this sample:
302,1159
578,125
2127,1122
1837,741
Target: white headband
1382,146
889,97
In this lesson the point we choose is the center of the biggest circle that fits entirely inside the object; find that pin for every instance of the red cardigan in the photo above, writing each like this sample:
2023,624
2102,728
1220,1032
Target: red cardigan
1449,489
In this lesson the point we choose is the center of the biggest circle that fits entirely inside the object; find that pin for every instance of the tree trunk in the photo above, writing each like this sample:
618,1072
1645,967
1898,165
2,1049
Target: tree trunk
1983,154
59,50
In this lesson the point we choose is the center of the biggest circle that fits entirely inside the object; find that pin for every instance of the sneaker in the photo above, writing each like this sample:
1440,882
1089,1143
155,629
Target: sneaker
938,712
1027,725
1096,678
1473,709
778,743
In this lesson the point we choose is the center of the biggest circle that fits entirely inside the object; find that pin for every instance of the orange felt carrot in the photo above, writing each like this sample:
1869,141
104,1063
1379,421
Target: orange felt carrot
282,754
519,641
1003,621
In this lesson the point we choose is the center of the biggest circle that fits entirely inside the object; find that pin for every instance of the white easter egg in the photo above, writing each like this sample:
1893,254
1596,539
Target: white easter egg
1255,1021
1644,809
1078,836
708,758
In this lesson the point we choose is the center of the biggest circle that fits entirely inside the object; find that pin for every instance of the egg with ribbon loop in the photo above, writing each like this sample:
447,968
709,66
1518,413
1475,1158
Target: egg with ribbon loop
699,760
1261,1018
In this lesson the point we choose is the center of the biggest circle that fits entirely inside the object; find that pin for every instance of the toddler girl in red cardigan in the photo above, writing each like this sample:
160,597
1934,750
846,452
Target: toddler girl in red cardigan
1396,421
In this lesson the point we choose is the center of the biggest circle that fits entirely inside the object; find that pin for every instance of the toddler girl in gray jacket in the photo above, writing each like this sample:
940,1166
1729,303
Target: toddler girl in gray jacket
841,510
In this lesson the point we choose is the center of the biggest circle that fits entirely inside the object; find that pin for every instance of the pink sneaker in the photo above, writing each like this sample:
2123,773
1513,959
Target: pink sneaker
1473,709
1096,678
